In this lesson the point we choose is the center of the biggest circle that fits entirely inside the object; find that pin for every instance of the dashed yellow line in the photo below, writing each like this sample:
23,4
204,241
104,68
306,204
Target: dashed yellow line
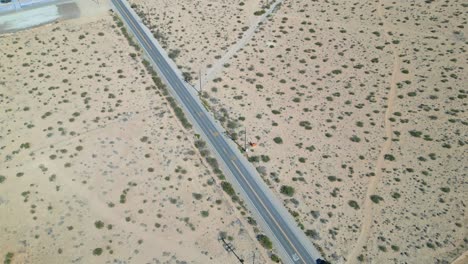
232,158
268,211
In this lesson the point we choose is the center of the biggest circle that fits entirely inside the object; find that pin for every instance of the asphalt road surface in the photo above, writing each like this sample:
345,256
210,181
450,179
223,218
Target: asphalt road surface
289,243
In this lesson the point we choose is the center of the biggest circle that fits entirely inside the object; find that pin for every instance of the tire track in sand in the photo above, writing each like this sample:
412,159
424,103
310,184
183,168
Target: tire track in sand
373,182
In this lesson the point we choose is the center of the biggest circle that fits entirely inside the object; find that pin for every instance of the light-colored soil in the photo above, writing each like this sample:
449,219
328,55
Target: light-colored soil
93,158
463,259
198,33
368,101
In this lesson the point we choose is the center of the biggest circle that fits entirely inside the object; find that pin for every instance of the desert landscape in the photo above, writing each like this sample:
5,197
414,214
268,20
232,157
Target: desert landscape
358,110
95,167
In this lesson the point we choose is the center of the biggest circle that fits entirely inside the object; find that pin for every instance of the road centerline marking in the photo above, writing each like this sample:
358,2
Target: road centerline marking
154,54
268,211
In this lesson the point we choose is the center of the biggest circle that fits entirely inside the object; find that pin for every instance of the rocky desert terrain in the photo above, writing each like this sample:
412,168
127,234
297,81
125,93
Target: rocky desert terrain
358,110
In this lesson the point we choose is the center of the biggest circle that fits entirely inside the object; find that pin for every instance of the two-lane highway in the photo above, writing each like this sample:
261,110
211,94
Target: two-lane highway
293,248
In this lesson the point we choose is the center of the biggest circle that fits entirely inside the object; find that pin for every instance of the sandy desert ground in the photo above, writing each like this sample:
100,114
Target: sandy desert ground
95,167
359,112
197,33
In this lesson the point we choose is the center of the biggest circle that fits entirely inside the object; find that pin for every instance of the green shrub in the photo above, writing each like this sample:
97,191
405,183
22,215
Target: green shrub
254,159
259,13
275,258
287,190
251,221
445,189
204,213
265,158
99,224
376,199
312,234
353,204
332,178
97,251
265,241
278,140
8,258
197,196
227,187
415,133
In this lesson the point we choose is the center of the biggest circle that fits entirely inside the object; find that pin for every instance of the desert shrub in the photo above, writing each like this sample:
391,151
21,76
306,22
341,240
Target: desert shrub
197,196
204,213
395,248
212,162
2,178
376,199
310,148
200,144
306,125
97,251
8,258
332,178
259,13
99,224
179,113
312,234
173,53
353,204
251,221
265,241
227,187
275,258
415,133
265,158
445,189
254,159
287,190
278,140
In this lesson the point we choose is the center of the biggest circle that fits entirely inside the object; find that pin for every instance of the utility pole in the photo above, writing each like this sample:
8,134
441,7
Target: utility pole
229,248
199,78
245,139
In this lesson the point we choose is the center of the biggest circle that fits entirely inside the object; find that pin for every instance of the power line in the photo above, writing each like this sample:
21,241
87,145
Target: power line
230,248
